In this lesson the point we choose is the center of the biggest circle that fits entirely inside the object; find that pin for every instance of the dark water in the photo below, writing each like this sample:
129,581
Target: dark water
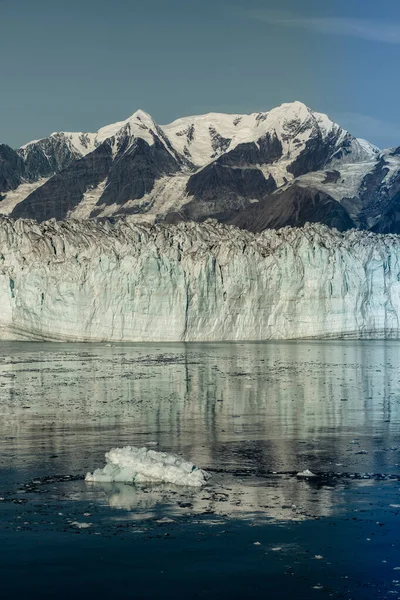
254,415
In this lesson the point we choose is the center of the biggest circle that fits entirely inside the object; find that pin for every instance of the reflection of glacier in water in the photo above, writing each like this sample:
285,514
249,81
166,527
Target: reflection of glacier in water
241,498
237,409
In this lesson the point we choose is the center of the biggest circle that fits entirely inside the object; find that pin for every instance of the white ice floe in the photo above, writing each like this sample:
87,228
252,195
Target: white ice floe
306,473
141,465
80,525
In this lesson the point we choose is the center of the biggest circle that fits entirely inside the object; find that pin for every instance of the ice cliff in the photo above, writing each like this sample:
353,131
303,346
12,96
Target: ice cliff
93,281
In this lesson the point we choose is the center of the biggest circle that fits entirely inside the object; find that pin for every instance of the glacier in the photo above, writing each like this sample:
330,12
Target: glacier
130,281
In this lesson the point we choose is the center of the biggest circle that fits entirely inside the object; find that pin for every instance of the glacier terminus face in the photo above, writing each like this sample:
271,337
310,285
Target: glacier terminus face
98,281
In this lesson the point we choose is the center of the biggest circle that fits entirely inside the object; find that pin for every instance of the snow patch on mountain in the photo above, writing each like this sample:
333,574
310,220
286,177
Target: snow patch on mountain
279,171
347,181
88,202
392,163
345,185
14,197
169,195
369,148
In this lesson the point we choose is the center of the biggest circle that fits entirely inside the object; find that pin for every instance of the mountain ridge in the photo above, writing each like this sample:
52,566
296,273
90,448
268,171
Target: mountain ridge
214,165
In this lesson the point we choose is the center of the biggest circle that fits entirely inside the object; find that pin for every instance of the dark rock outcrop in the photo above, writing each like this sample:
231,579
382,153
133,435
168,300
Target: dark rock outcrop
63,192
389,221
12,169
316,154
134,172
294,207
331,177
220,191
48,156
267,150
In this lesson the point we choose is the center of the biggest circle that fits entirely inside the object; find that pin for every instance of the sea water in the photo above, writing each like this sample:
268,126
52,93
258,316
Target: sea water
254,416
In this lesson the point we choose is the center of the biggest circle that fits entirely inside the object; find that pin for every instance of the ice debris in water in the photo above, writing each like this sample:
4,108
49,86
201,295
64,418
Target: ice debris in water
80,525
306,473
142,465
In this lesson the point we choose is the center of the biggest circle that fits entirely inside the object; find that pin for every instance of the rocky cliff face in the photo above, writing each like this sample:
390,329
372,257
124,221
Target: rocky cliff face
97,281
53,154
12,169
294,207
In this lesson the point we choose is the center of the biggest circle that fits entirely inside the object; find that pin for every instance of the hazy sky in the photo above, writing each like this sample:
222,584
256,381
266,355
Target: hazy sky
80,64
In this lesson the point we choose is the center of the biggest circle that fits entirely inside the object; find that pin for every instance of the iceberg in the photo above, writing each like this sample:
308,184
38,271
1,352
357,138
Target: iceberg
141,465
306,473
133,282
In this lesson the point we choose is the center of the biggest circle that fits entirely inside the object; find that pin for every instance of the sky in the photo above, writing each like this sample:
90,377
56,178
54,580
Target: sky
76,65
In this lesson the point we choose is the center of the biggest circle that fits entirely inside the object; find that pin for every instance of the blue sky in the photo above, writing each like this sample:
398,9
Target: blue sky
79,64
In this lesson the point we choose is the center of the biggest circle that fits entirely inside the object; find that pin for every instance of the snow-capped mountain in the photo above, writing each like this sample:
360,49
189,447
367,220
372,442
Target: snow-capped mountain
52,154
119,163
285,166
283,134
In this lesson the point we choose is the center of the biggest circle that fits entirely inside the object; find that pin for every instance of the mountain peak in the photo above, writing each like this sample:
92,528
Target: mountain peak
296,105
140,115
298,111
139,122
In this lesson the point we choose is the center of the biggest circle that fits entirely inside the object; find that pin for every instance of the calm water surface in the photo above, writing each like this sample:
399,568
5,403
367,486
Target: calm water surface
254,415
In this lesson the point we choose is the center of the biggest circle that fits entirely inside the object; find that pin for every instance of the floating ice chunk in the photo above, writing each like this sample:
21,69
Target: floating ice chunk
306,473
142,465
81,525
